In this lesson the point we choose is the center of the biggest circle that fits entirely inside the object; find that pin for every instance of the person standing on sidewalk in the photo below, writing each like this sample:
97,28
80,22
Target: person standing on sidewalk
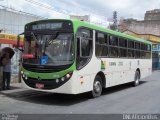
6,61
1,70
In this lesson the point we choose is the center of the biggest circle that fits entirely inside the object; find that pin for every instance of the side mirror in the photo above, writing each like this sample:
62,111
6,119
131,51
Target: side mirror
79,45
18,42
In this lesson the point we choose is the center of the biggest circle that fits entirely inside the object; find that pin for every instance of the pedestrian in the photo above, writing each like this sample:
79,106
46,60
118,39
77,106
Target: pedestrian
6,61
1,70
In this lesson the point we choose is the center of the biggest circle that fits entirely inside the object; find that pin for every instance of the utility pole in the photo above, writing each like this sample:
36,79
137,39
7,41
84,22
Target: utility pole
115,20
114,25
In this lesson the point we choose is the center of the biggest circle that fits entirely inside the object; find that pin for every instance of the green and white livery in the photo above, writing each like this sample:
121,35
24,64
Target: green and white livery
72,57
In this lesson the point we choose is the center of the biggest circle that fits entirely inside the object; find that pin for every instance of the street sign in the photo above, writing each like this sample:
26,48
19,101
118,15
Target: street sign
44,60
156,47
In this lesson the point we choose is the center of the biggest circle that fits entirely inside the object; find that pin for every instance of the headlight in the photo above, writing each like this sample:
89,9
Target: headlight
26,77
23,76
62,79
68,75
22,72
57,80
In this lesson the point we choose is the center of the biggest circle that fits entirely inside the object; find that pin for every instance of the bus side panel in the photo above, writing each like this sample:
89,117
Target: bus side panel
117,71
86,76
82,80
146,68
120,71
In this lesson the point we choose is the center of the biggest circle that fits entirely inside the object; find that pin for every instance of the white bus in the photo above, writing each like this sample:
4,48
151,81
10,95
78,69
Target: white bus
72,57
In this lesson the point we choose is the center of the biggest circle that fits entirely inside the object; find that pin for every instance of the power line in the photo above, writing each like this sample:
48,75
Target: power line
39,4
44,6
21,12
91,11
51,8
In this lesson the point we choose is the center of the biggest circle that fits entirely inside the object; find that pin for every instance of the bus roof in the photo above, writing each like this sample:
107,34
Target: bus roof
78,23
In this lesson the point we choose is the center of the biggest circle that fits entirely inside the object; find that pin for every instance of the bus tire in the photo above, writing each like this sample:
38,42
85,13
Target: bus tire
136,79
97,87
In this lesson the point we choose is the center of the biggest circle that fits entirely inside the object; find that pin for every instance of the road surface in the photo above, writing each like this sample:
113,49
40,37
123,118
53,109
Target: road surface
144,98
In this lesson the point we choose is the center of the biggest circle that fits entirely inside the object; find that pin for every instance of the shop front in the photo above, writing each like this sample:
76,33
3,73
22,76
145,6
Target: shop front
10,41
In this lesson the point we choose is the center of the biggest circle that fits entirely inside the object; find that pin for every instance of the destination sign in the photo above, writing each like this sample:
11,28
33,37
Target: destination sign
47,26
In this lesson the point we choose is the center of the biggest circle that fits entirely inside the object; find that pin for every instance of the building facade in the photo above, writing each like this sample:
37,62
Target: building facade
13,22
82,18
152,15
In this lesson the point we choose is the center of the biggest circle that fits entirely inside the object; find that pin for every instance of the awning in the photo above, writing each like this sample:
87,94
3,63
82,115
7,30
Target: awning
10,39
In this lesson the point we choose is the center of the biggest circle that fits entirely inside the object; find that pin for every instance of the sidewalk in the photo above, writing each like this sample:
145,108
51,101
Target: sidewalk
17,91
14,88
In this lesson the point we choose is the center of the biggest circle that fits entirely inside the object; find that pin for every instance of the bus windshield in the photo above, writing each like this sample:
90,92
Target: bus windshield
48,49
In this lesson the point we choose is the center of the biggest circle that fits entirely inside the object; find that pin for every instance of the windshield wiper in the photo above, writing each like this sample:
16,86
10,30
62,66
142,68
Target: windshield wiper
53,37
34,37
56,35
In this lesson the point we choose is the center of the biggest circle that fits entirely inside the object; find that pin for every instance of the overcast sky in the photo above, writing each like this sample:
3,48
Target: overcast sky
100,10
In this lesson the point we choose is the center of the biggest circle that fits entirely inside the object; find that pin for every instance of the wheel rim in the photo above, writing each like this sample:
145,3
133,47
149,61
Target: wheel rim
97,87
137,80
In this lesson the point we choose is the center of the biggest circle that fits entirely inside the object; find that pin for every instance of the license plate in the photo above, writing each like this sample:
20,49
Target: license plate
39,85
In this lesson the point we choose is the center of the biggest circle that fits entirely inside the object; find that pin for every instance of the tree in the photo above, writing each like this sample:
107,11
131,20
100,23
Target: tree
114,26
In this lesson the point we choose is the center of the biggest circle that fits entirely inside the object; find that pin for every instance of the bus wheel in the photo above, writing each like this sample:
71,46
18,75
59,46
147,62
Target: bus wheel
97,87
136,79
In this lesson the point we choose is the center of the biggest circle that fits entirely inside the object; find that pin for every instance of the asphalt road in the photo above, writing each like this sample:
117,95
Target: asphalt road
121,99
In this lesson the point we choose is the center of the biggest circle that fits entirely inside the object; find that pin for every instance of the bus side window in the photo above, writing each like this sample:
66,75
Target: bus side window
101,45
122,47
113,40
113,46
84,47
131,49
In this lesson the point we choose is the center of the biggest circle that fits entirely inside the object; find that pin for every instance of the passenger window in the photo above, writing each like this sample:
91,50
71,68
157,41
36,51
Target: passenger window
101,38
101,45
149,48
122,52
113,40
86,33
137,54
130,44
113,51
131,53
86,47
122,42
137,45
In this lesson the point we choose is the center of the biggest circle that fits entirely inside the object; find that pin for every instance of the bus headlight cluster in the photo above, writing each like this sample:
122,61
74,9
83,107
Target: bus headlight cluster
57,80
68,75
24,76
22,72
64,78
